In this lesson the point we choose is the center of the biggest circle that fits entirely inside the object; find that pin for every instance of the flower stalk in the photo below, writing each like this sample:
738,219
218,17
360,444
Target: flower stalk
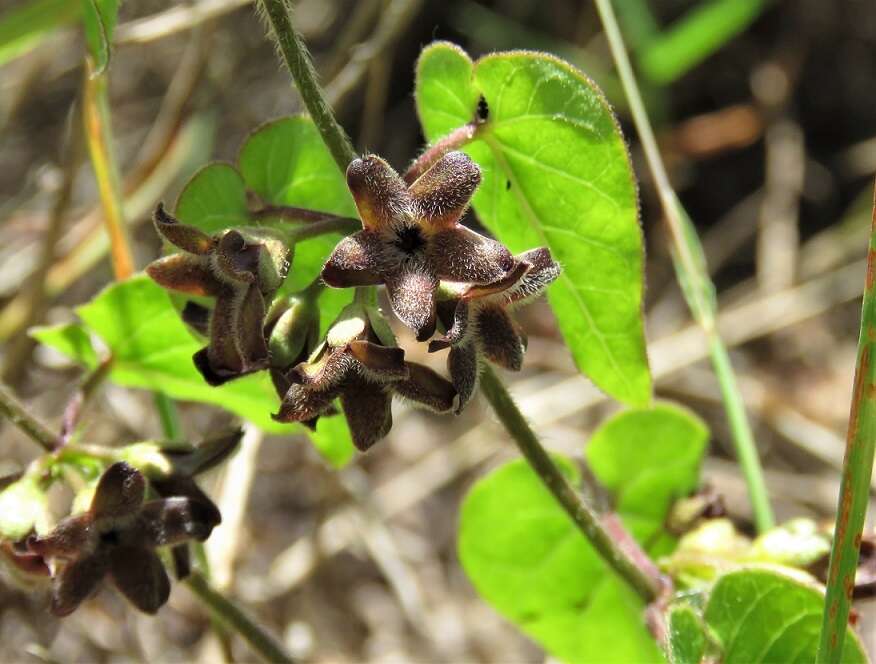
297,59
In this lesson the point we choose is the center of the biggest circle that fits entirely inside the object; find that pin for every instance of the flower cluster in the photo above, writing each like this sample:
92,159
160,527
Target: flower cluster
117,537
435,272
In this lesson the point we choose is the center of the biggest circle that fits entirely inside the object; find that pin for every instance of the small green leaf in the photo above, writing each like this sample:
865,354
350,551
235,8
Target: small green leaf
70,339
25,27
525,556
214,199
648,458
99,19
556,172
286,163
23,508
687,642
768,615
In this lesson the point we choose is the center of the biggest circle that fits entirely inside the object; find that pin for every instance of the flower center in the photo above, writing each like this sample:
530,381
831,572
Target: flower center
409,240
110,537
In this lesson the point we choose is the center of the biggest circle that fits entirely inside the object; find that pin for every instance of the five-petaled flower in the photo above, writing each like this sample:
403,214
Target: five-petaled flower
359,363
241,269
117,536
412,239
479,323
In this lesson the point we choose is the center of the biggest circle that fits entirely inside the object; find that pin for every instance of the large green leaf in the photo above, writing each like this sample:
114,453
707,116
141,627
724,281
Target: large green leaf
766,615
525,556
556,172
648,458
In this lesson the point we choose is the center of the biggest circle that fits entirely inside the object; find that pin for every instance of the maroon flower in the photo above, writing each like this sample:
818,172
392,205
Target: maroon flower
117,536
364,369
479,323
412,239
241,269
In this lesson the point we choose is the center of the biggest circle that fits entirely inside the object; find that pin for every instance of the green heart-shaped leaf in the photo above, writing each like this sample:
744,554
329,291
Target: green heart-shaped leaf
556,172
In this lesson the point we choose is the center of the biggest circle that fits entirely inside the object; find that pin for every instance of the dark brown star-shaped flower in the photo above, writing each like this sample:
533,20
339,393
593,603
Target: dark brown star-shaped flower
364,369
118,536
241,269
479,323
412,239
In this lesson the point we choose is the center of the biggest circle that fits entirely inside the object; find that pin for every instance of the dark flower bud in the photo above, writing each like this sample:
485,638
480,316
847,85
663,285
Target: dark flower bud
241,268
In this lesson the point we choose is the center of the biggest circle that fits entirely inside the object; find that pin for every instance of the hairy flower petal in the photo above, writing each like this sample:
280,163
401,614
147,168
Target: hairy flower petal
169,521
460,254
443,192
385,363
543,273
463,365
250,334
304,402
500,339
119,492
357,260
140,576
412,296
367,407
187,238
380,194
76,582
185,274
67,539
427,388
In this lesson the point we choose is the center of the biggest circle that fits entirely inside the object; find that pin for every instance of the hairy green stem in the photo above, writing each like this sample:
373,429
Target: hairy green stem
585,518
297,59
692,275
230,616
14,411
169,416
857,471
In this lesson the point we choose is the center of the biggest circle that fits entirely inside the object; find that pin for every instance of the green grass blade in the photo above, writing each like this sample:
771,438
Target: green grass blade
857,470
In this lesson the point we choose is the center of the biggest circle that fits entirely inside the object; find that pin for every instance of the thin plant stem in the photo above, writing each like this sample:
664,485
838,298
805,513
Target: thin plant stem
453,141
857,472
268,648
341,225
297,59
95,112
168,415
14,411
586,519
694,278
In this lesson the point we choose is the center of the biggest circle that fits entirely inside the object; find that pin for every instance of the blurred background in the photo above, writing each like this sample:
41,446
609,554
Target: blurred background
766,115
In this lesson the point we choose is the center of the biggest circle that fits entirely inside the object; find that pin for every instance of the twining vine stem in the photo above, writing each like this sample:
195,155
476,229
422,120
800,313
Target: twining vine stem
296,56
696,285
297,59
